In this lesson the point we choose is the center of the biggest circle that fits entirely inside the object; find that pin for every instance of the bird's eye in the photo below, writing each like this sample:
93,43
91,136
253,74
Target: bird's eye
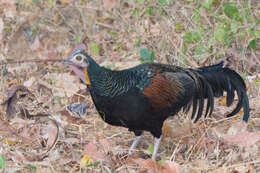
79,58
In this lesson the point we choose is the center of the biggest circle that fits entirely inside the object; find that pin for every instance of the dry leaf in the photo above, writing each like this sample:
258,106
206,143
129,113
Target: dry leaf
63,84
147,165
71,140
12,91
18,157
36,45
110,3
237,127
52,133
65,2
29,82
5,128
241,169
171,167
70,119
9,141
177,130
243,139
105,144
200,164
222,101
12,99
93,152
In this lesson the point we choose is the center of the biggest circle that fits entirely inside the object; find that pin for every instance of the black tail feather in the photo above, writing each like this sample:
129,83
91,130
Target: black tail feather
201,105
212,81
210,102
194,110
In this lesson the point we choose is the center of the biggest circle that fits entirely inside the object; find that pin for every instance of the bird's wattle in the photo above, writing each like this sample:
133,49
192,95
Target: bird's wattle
79,72
86,76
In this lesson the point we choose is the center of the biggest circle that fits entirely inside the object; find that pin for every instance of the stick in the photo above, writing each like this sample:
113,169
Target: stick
32,60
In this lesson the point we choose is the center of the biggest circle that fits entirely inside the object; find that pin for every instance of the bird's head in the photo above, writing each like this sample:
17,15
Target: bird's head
80,62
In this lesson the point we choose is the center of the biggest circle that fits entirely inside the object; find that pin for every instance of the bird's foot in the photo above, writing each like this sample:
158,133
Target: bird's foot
156,145
134,144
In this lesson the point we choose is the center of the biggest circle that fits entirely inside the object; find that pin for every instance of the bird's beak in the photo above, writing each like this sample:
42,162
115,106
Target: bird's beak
65,61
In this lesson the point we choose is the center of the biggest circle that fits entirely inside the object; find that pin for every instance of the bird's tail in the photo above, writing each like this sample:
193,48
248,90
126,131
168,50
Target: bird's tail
213,81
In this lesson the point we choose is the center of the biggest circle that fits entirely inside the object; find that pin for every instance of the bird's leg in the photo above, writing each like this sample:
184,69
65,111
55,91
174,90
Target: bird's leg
156,145
134,144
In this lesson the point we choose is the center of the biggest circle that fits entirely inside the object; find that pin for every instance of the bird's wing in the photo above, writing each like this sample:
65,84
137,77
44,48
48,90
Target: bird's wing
169,90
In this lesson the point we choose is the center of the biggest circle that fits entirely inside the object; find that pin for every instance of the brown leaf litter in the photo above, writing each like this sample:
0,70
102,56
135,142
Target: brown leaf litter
36,131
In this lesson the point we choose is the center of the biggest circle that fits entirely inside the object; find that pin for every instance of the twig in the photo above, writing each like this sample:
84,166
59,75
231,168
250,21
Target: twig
32,60
105,25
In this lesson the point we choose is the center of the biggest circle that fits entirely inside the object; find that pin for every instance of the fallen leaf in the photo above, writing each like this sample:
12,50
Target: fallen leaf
36,45
147,165
29,82
9,141
237,127
222,101
63,84
176,130
70,119
243,139
200,164
105,144
12,99
18,157
93,152
150,164
12,91
71,140
171,167
52,133
5,128
241,169
110,3
30,131
65,2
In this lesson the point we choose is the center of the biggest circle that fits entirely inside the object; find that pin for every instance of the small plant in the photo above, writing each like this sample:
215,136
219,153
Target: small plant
94,48
228,23
149,150
146,55
32,167
2,161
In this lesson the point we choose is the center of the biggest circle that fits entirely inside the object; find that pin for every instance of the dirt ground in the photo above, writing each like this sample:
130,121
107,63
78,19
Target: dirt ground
39,134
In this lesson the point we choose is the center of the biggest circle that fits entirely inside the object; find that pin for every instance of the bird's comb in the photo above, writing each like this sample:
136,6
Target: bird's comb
77,49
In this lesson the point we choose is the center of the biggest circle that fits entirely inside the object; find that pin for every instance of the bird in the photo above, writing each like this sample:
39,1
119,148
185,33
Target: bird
141,98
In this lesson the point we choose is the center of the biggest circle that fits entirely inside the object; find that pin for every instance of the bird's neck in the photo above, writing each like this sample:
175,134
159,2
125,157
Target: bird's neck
105,82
